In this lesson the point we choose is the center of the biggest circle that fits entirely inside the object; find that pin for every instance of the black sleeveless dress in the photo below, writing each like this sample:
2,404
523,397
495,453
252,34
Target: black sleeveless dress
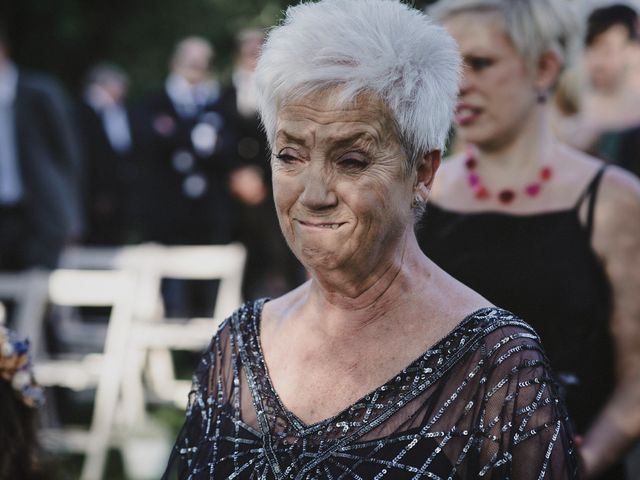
541,267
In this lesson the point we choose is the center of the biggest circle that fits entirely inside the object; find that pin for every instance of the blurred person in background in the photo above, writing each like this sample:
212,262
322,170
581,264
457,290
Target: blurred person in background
271,269
381,365
186,153
40,164
185,150
110,174
537,227
20,454
607,124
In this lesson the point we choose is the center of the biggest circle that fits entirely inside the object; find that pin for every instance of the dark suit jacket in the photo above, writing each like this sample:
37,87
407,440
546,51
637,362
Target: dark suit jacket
167,213
50,161
109,186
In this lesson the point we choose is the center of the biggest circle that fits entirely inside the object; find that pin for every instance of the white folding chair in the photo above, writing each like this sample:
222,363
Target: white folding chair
77,288
155,335
157,338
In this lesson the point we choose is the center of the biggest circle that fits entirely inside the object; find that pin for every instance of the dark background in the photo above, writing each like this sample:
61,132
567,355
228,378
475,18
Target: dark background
65,37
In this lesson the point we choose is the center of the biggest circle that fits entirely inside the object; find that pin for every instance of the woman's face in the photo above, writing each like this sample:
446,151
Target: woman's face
498,93
342,195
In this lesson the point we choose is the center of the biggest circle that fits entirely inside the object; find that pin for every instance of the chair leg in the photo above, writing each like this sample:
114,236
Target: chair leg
107,395
133,395
161,373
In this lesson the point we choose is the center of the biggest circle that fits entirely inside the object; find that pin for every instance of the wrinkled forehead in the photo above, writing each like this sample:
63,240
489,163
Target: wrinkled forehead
327,114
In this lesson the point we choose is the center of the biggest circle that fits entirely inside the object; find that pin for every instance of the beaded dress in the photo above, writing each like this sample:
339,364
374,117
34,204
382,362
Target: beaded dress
480,403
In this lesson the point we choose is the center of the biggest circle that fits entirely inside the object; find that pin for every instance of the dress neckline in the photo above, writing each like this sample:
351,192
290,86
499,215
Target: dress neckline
588,194
301,426
497,213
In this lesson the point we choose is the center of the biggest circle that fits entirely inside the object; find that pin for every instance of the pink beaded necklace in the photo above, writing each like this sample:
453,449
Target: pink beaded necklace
506,195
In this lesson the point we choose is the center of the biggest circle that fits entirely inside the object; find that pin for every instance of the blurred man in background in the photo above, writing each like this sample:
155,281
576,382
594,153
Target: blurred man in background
185,154
40,163
111,168
607,124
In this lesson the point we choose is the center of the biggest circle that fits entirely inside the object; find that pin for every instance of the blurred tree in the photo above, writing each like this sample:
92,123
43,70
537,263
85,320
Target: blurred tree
65,37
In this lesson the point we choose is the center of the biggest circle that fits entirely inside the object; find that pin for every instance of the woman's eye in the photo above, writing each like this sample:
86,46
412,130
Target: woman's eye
353,163
285,157
479,63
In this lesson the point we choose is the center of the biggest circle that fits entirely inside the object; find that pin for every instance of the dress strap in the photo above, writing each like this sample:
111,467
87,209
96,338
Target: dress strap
589,194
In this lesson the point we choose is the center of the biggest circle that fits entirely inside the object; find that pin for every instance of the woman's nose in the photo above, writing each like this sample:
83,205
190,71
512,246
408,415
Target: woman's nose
466,81
318,190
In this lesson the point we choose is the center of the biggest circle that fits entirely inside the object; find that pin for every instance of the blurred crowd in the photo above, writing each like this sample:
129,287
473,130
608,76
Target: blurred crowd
185,165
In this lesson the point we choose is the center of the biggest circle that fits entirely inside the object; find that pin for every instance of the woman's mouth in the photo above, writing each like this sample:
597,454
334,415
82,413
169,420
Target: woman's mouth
466,114
321,225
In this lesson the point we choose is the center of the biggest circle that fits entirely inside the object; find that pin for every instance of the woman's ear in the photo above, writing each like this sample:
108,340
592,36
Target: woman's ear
549,69
427,167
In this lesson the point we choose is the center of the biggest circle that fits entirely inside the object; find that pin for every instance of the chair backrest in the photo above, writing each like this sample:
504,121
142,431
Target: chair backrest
139,260
88,288
221,262
150,263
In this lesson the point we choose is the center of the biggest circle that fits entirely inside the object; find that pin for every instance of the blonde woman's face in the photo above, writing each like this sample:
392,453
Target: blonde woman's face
498,93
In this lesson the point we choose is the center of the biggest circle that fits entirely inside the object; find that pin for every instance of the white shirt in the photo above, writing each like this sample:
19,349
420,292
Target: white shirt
189,99
246,91
114,118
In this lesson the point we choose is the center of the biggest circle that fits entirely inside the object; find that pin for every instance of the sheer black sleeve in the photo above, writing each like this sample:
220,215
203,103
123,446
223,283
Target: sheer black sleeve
210,390
528,434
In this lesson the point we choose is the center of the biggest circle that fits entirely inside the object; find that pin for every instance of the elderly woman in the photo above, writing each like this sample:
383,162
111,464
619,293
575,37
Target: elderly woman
537,227
381,365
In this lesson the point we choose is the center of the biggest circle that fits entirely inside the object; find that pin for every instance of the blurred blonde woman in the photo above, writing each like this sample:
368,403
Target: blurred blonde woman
537,227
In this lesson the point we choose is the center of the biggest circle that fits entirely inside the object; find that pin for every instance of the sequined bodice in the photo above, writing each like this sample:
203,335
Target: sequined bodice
471,405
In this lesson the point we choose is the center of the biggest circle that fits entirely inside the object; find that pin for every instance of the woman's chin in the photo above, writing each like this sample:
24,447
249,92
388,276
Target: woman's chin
476,134
316,258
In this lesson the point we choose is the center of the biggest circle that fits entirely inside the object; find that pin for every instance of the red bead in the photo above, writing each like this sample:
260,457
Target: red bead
533,189
482,193
474,180
471,163
546,173
506,196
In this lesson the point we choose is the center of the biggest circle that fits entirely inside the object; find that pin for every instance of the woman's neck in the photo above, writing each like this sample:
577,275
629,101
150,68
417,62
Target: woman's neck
530,149
350,301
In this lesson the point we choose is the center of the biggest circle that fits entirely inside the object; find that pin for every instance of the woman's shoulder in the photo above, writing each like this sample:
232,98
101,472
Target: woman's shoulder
617,203
616,230
243,316
620,189
499,331
488,320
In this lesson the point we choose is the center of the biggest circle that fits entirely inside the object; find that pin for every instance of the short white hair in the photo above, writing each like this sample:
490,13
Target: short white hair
380,47
534,26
